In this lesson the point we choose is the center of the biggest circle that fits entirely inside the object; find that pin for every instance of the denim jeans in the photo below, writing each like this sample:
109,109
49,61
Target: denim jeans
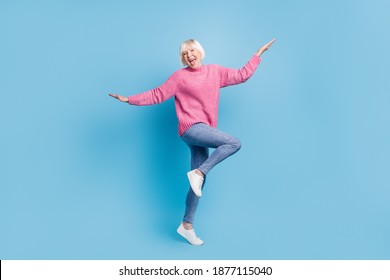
199,138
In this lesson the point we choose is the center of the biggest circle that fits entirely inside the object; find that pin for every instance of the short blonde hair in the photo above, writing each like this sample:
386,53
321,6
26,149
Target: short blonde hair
188,44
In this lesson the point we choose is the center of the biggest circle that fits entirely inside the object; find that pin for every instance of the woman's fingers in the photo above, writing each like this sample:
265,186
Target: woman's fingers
265,47
269,44
119,97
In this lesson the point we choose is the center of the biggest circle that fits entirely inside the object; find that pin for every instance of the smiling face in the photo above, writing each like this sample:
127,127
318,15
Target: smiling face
191,53
192,57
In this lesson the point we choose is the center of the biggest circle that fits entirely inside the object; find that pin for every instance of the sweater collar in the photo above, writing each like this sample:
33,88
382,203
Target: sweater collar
198,69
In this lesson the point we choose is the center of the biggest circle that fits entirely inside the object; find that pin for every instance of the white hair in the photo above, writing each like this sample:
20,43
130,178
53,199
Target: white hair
188,44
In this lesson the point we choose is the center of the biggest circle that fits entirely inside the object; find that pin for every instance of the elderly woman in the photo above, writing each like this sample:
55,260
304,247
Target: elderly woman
196,89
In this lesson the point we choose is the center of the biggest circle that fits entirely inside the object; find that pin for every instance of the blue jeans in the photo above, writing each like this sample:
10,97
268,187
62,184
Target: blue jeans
199,138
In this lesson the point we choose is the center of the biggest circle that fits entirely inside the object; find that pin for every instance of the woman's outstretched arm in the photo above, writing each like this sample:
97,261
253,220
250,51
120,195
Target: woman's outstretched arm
230,76
153,96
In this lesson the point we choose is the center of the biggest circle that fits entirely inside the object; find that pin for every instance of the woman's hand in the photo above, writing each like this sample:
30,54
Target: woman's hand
265,47
119,97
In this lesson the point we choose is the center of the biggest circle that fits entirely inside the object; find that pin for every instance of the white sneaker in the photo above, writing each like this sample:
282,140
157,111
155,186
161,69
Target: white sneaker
196,182
189,235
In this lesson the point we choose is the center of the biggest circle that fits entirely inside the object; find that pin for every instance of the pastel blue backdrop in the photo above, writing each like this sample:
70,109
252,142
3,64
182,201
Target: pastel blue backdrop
83,176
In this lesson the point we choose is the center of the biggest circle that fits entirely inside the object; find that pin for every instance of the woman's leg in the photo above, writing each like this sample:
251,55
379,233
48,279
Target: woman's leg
199,138
185,229
198,156
203,135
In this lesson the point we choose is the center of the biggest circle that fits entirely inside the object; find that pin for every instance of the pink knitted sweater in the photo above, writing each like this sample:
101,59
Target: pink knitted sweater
196,91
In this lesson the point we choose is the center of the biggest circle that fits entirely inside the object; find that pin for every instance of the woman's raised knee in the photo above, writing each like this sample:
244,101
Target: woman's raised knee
235,143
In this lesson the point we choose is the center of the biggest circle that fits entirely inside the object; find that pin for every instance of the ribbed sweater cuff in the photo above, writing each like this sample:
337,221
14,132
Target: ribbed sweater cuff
257,58
130,100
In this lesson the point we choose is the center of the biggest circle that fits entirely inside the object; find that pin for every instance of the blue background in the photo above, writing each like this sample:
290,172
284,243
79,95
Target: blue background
83,176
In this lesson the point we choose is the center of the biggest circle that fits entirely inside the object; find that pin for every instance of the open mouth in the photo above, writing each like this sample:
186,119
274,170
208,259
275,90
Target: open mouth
192,60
